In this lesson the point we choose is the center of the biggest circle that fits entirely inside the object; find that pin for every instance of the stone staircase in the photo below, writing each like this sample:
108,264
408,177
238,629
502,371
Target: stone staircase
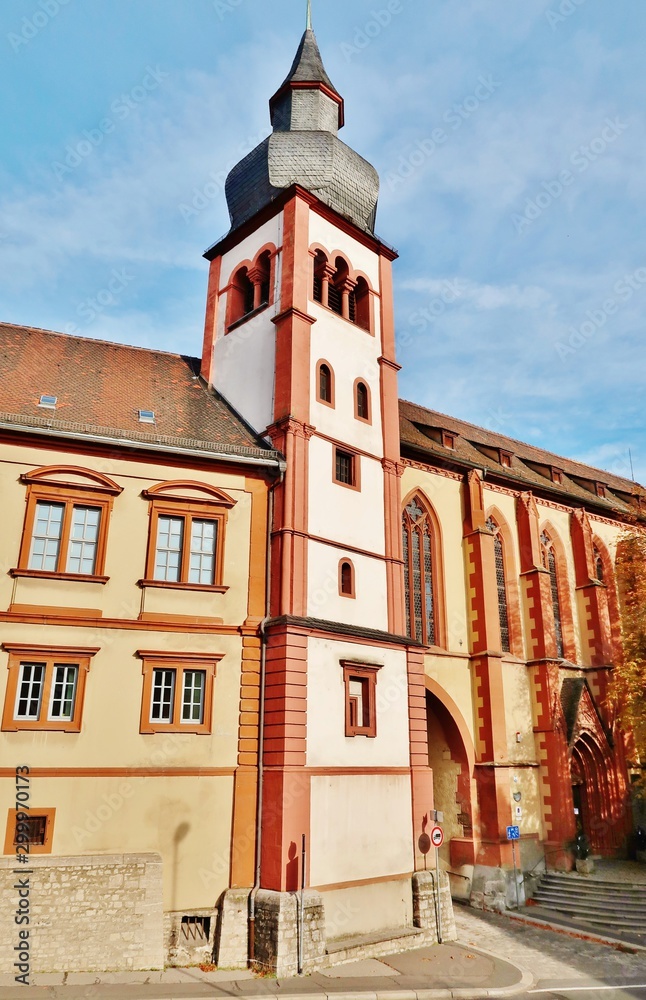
612,908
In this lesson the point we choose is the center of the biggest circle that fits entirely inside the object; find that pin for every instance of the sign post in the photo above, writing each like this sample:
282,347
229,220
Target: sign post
437,839
513,834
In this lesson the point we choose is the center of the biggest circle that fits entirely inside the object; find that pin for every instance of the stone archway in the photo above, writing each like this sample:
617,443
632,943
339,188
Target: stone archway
450,755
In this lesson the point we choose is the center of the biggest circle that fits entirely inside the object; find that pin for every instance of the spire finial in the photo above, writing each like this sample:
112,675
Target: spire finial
308,25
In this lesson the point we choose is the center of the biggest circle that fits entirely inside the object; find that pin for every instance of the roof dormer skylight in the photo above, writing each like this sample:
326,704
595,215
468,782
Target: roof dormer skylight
146,416
48,401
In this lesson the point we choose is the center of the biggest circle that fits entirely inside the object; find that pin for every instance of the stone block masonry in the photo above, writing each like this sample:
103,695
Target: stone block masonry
87,914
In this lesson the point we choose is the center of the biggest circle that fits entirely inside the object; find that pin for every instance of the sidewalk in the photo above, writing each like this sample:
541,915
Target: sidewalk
432,973
494,956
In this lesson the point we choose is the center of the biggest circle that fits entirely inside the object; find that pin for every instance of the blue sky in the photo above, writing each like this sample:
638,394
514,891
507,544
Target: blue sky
510,141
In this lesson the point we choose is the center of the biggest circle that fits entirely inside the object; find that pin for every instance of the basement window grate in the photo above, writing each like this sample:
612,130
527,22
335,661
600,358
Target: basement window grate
196,928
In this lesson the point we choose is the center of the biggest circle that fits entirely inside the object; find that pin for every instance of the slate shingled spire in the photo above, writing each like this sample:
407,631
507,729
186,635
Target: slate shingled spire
307,112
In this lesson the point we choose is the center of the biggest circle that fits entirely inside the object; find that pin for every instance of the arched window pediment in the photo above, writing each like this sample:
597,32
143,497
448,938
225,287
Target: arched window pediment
70,477
186,491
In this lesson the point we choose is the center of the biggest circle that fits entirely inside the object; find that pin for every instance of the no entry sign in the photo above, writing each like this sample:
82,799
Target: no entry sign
437,836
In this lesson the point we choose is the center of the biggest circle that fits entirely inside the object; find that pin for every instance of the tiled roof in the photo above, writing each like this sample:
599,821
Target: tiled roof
101,386
530,466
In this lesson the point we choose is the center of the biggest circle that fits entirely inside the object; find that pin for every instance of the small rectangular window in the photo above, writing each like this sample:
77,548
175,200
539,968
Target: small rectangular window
30,691
202,555
360,682
193,696
84,537
46,539
49,402
29,832
345,468
146,416
163,696
63,691
177,692
168,559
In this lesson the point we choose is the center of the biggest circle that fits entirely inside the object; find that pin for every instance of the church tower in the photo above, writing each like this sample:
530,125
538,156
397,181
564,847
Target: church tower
300,339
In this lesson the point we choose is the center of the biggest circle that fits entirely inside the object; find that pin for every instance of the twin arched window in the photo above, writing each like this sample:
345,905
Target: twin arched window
418,540
501,584
333,287
549,562
250,289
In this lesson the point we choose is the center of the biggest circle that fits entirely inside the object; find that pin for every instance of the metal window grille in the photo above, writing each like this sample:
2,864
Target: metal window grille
30,691
248,296
46,539
168,554
352,307
196,929
163,696
193,696
63,691
318,288
84,535
35,828
202,556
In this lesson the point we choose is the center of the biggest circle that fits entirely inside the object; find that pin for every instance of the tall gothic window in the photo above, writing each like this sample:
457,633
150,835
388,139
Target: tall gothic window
549,562
598,564
501,584
418,572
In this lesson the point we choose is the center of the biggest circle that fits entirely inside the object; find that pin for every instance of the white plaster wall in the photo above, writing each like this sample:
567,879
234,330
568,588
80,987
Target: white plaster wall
327,744
353,517
353,354
369,608
360,257
244,360
453,674
361,827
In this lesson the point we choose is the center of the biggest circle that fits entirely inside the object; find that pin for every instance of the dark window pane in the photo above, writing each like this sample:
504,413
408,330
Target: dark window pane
344,468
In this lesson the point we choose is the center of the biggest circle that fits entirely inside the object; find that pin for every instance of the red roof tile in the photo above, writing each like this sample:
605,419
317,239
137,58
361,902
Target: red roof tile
101,386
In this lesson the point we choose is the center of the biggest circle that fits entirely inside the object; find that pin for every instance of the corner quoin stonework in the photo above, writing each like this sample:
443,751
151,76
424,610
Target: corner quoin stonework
112,903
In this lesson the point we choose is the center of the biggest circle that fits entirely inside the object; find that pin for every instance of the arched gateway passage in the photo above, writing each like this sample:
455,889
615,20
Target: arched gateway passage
451,757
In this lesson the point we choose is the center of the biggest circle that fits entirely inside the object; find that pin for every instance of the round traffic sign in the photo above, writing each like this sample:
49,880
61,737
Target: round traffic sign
437,836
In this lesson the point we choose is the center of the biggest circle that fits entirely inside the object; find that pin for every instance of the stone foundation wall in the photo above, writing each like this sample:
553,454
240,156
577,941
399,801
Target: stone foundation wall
276,931
86,914
494,889
425,906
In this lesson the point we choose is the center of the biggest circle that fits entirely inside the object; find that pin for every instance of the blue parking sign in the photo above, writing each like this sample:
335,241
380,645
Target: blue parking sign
513,833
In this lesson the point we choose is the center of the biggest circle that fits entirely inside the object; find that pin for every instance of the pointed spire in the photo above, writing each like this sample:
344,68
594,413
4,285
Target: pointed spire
307,74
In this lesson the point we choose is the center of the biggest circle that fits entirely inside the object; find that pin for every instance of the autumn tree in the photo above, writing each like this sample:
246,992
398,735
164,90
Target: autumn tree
630,674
